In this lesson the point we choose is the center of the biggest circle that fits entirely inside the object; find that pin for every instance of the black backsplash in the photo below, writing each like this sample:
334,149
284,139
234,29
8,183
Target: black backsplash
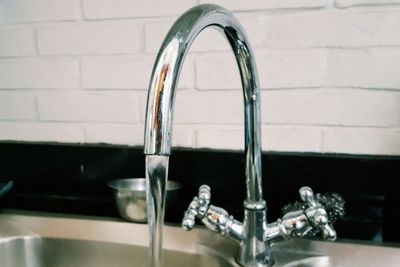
72,179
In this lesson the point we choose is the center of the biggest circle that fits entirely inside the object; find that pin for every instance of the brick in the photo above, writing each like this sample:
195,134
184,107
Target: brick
104,9
39,73
351,3
292,69
41,132
17,11
16,41
89,38
226,139
327,29
344,107
207,40
17,106
369,68
279,69
362,141
208,107
116,73
183,136
88,107
126,73
239,5
291,139
217,73
274,138
117,134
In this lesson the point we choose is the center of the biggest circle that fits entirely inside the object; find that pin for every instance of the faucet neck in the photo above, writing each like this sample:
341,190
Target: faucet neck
165,75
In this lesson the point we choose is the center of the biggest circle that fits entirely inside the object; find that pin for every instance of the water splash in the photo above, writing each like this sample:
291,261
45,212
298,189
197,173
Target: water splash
156,181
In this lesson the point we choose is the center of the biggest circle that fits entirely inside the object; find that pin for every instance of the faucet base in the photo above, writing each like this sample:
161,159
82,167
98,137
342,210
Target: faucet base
254,250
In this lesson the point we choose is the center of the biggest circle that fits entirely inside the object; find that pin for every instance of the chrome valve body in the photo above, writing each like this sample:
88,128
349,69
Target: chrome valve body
301,219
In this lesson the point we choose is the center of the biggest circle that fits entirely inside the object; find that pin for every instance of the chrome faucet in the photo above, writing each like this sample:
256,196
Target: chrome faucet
254,234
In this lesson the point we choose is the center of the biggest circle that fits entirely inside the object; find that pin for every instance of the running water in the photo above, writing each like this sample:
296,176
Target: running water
156,181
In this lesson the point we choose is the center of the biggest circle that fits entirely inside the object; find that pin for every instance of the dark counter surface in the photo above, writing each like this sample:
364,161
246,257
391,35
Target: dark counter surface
72,179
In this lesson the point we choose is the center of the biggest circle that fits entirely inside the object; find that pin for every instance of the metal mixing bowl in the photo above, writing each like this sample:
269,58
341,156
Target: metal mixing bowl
130,197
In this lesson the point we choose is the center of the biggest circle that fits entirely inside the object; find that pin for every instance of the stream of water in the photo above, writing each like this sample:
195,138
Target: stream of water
156,181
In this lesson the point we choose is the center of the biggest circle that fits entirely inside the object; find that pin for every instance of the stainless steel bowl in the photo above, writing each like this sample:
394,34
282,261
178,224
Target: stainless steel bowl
130,197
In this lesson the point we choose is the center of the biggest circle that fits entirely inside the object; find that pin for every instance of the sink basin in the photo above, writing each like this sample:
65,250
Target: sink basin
46,240
307,253
56,252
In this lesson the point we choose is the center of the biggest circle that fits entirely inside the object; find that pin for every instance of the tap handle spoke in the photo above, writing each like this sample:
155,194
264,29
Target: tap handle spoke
204,195
307,195
197,208
320,211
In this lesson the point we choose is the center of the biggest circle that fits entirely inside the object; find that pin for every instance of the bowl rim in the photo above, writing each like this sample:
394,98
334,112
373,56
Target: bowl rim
132,183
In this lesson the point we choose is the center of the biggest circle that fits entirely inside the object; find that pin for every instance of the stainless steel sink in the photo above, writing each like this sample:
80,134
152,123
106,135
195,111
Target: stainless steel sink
302,253
48,240
58,252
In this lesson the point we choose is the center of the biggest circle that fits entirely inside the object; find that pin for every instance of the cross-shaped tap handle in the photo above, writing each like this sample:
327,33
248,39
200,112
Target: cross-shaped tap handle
197,208
317,213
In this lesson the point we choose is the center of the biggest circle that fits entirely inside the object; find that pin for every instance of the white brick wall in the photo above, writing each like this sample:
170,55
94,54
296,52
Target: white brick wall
274,138
333,107
17,106
239,5
39,73
327,28
76,71
350,3
362,140
88,107
20,11
41,132
20,41
89,38
277,69
105,9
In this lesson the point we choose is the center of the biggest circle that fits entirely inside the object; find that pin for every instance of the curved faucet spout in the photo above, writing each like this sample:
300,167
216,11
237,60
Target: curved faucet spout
160,104
164,79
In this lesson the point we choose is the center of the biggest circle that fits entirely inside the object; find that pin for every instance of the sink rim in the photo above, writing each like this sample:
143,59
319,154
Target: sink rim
29,224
